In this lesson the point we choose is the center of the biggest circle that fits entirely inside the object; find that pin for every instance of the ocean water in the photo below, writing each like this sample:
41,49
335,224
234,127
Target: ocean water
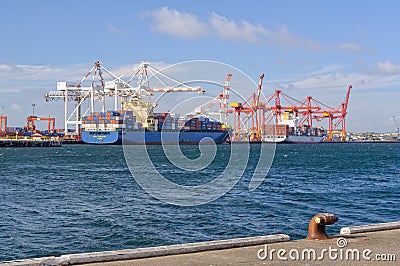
81,198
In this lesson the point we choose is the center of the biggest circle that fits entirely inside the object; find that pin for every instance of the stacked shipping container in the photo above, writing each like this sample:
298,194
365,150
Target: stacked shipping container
202,124
113,120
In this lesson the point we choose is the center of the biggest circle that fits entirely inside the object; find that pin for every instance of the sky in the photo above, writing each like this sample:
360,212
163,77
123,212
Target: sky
315,48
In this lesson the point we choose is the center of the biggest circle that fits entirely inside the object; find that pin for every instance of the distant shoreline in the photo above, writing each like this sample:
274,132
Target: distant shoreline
366,141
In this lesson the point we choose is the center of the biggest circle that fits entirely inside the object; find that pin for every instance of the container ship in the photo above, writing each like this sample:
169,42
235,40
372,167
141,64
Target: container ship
136,123
287,130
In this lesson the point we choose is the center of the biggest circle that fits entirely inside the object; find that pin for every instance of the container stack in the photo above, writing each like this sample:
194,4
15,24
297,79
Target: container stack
202,124
111,120
167,121
276,130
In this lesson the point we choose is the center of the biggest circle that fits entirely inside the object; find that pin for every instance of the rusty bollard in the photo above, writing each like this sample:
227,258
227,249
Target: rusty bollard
316,227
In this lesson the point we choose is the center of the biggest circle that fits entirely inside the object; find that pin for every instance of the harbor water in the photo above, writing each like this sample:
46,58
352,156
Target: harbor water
82,198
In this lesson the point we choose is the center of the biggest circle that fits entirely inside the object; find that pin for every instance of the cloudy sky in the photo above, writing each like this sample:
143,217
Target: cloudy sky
304,48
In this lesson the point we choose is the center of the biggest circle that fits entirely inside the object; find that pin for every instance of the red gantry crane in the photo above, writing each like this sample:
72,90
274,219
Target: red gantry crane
243,113
277,110
30,123
299,115
335,113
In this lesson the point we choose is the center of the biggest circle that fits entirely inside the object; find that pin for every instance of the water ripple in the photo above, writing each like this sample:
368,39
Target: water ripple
82,198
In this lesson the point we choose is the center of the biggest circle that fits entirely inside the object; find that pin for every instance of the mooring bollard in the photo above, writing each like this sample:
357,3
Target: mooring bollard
316,227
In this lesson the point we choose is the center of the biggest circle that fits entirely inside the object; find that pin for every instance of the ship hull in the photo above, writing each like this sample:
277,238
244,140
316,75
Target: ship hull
303,139
141,137
294,139
101,137
274,139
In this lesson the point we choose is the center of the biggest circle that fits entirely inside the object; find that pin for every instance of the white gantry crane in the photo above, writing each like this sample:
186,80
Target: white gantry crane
77,92
97,89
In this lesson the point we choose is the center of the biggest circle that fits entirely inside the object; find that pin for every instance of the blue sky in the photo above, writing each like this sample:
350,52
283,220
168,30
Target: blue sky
314,48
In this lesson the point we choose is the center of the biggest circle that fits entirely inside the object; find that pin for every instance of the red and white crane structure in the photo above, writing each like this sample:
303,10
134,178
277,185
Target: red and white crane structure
248,112
221,101
332,114
304,112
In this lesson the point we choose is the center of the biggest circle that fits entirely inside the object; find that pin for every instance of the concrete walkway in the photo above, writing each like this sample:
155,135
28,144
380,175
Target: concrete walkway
361,249
359,245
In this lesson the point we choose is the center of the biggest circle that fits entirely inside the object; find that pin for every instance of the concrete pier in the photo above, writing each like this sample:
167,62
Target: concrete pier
363,245
29,143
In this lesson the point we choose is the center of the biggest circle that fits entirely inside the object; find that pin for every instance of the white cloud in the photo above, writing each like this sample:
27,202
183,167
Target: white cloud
245,31
18,81
26,78
323,81
4,67
230,30
284,38
173,22
387,68
188,26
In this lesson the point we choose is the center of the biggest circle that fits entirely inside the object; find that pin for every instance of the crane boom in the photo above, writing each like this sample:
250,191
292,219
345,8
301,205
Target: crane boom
259,90
346,102
177,89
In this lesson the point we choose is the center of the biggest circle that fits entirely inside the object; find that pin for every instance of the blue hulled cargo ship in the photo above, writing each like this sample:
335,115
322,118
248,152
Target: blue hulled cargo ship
153,138
137,124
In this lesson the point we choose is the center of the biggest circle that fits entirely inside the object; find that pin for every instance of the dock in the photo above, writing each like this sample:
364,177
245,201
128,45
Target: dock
376,244
29,143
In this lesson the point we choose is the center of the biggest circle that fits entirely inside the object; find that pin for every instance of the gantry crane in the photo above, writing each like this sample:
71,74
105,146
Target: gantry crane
256,130
30,123
78,93
245,112
99,88
237,109
301,111
335,113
